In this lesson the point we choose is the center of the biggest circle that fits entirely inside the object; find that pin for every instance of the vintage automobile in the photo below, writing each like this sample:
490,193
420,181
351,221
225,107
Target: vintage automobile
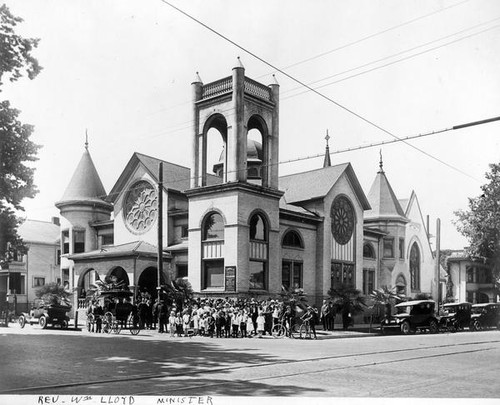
455,316
412,316
485,316
46,314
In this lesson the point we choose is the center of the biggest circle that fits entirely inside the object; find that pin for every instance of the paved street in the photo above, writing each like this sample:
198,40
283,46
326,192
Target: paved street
70,362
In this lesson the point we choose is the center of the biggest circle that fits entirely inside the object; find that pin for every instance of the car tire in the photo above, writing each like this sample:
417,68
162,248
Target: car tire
433,327
22,321
405,328
64,324
476,325
43,321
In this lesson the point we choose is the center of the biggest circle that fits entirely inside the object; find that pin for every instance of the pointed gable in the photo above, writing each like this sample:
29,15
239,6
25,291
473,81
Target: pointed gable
175,177
383,201
85,186
316,184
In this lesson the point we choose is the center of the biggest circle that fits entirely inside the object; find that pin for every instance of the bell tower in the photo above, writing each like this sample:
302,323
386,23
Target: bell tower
234,217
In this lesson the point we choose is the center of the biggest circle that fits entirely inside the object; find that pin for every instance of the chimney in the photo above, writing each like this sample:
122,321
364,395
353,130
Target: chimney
55,221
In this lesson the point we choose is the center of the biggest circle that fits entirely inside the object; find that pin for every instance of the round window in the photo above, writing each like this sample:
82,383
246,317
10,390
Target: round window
141,207
342,215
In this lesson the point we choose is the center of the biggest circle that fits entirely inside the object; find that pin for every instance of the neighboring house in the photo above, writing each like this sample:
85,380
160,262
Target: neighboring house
39,266
244,231
469,279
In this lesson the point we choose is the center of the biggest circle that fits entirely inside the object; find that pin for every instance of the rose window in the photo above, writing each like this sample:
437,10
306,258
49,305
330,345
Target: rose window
342,215
141,207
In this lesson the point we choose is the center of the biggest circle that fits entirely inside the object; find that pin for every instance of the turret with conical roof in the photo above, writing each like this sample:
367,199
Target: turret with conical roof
82,204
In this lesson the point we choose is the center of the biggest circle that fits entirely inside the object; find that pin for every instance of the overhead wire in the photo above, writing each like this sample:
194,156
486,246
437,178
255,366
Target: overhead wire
349,110
335,152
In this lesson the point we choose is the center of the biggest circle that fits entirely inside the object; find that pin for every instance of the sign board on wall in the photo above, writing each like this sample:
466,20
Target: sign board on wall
230,276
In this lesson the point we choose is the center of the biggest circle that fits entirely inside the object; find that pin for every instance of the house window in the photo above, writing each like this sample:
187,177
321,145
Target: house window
388,247
292,239
402,248
38,281
258,252
182,270
368,251
17,256
213,251
342,273
291,274
368,281
184,231
78,241
108,239
58,257
17,283
65,242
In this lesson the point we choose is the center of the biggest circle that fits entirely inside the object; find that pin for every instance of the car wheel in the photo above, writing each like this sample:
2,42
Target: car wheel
433,327
405,328
43,321
22,321
498,324
64,324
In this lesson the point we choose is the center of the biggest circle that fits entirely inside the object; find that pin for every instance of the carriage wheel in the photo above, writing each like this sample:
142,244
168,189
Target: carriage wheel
90,322
115,327
133,325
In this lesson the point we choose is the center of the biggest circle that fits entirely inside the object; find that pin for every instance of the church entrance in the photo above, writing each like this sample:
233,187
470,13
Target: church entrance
148,281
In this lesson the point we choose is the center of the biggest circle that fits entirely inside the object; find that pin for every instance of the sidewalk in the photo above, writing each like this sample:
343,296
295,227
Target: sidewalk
358,330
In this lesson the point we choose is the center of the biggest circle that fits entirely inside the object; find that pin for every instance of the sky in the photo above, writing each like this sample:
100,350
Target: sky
122,71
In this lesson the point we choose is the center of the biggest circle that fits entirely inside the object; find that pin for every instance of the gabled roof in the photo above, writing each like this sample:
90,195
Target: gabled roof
318,183
175,177
85,185
383,201
137,248
33,231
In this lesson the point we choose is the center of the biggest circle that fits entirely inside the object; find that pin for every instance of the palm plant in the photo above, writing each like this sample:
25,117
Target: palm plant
54,294
386,297
294,297
348,301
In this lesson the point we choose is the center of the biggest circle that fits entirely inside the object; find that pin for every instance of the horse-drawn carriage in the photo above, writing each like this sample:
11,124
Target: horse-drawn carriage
112,312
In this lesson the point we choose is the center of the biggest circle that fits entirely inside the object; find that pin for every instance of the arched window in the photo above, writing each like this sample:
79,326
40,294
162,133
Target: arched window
292,239
368,251
415,267
213,227
213,251
258,252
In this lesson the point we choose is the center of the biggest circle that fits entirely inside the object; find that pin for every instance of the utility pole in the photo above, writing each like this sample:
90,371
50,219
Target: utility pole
438,266
160,227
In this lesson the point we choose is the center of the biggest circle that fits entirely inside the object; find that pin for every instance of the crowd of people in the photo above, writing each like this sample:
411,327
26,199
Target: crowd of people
218,317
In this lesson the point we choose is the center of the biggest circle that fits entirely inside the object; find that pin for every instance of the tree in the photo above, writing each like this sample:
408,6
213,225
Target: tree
54,294
480,223
348,301
384,298
16,149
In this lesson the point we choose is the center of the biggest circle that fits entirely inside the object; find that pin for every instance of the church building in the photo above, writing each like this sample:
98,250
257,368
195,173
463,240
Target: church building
241,230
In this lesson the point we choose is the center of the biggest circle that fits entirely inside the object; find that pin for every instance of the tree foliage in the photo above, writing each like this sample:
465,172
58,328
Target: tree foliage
347,298
54,294
480,223
16,149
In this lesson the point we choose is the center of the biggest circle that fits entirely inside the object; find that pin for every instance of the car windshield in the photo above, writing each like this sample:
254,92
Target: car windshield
478,310
404,310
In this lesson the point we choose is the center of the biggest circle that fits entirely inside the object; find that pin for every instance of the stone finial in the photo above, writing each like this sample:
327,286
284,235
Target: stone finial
198,79
86,139
239,63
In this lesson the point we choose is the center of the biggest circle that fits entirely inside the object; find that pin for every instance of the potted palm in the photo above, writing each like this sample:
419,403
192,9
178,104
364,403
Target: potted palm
348,301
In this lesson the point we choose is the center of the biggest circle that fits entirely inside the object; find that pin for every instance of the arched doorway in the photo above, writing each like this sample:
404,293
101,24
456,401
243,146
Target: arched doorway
86,282
120,277
148,281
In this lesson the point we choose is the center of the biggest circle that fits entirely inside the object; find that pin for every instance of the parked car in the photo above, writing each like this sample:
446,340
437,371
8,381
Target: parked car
485,316
412,316
455,316
45,314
